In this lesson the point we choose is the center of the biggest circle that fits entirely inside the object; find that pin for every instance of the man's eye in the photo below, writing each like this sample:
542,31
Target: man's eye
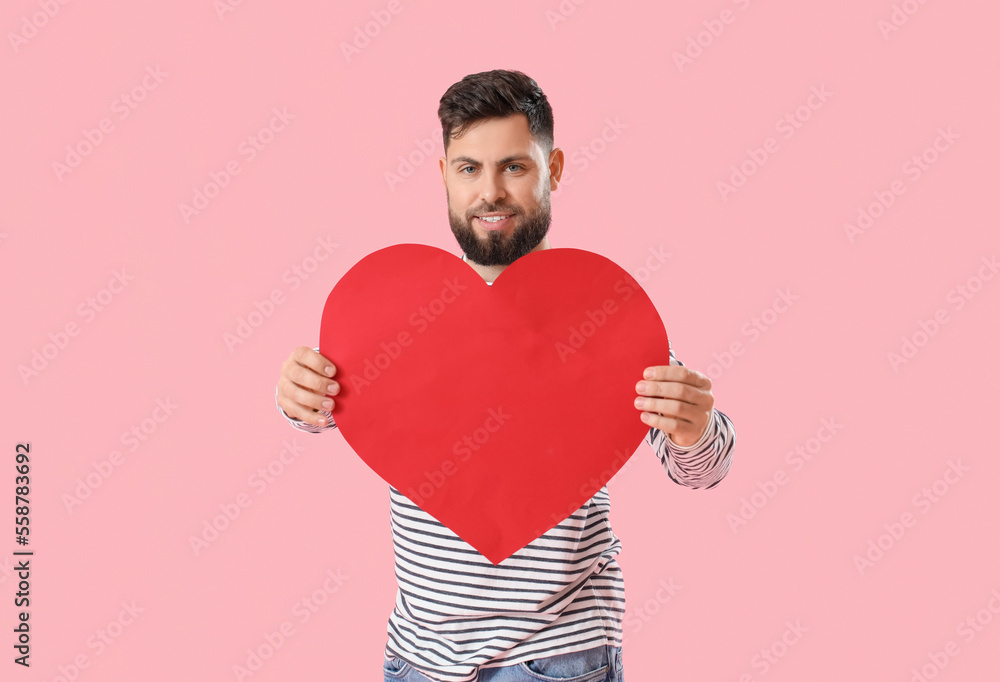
465,168
514,165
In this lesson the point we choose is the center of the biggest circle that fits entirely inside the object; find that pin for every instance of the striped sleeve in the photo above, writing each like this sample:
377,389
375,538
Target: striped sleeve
306,426
700,465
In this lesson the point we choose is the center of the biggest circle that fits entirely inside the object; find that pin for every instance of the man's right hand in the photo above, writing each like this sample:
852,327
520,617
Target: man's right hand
305,382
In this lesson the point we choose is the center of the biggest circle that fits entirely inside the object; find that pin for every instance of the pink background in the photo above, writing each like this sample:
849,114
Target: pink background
650,185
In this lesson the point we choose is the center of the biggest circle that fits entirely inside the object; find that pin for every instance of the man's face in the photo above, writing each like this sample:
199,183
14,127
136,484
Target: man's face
497,168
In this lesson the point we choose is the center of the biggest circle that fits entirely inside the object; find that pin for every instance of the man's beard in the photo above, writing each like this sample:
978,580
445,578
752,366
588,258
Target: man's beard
497,248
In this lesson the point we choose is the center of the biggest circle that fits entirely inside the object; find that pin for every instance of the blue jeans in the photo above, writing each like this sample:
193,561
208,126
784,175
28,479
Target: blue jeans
601,664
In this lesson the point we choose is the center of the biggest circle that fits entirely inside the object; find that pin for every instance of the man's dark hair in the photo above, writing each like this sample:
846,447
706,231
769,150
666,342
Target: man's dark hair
491,94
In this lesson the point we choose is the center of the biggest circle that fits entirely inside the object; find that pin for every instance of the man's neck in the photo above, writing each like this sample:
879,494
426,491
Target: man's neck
491,272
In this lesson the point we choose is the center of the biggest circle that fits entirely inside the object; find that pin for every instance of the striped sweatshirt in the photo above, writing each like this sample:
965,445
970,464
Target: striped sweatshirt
564,592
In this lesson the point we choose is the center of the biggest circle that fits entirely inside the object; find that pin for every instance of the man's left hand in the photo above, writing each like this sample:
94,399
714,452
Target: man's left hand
677,401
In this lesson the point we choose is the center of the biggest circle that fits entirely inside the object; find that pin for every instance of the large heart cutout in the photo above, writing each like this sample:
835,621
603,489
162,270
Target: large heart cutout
499,410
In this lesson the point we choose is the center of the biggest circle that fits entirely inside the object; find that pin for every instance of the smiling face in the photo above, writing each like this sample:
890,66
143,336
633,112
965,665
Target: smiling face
498,180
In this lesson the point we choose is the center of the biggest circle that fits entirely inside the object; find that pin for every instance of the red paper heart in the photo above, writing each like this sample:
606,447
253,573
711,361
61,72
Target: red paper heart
499,410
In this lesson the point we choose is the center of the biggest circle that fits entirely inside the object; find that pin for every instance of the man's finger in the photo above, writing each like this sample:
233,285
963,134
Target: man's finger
311,358
680,373
324,366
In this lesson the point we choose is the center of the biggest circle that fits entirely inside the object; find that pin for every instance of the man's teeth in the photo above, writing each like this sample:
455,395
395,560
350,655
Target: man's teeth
494,219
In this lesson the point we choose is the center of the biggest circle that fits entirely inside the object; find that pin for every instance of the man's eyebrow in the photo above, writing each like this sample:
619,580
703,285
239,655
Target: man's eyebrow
502,162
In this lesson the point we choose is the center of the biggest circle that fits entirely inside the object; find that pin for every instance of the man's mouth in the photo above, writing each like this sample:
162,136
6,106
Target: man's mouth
494,221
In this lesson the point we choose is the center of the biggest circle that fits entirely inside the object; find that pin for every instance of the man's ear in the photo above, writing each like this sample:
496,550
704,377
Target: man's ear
556,161
443,163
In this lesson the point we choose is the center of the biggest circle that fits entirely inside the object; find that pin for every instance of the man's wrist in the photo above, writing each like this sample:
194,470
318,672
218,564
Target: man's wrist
701,440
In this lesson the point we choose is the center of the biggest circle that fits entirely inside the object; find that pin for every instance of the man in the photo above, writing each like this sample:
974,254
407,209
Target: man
552,610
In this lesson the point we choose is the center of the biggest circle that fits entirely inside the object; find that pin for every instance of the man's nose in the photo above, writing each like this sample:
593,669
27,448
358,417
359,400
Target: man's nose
492,188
